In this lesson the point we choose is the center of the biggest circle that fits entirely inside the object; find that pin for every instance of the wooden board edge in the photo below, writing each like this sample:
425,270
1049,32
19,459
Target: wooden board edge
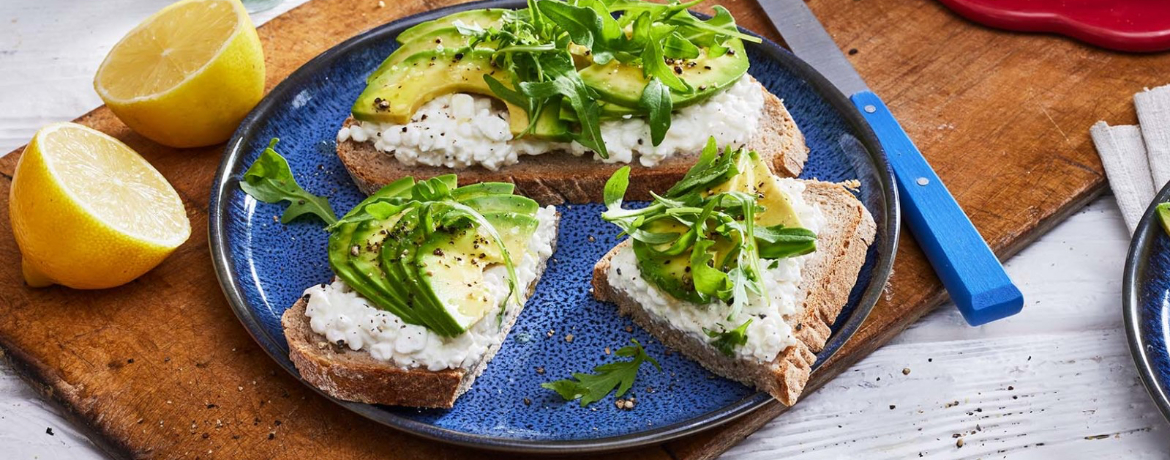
51,389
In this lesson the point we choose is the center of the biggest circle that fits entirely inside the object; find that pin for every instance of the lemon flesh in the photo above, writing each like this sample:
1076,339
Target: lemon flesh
88,212
187,75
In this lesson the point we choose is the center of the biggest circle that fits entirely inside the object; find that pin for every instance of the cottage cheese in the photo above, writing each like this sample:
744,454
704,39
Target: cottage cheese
769,333
462,130
340,314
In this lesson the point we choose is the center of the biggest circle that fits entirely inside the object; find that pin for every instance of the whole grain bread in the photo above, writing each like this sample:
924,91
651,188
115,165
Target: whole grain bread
356,376
826,279
559,177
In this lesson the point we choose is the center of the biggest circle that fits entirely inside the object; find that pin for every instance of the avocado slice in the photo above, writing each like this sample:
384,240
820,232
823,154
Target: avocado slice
450,265
482,189
348,249
447,37
395,94
397,258
502,204
515,229
756,178
368,239
484,18
622,84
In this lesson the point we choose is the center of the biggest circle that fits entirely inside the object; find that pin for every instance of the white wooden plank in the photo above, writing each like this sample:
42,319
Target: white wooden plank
1056,381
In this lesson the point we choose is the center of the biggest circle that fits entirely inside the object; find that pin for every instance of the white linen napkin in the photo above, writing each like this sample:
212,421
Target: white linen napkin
1137,158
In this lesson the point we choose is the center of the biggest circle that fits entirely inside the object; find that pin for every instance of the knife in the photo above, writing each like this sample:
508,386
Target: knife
968,269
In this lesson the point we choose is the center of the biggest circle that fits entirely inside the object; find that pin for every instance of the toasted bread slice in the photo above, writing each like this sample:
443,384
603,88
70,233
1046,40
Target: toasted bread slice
356,376
826,279
559,177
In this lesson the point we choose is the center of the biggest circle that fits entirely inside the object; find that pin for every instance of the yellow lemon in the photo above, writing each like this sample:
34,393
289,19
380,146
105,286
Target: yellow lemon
88,212
187,75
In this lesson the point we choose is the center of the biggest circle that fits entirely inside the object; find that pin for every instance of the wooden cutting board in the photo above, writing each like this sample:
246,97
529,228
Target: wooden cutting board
162,368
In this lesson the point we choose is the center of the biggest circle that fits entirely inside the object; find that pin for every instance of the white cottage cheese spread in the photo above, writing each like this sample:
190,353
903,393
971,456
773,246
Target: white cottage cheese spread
769,333
462,130
338,313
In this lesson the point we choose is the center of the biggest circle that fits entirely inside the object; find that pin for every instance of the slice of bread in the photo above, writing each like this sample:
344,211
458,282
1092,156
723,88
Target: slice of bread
559,177
826,279
356,376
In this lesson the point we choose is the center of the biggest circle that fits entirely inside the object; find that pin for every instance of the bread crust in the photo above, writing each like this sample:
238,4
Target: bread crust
356,376
826,279
559,177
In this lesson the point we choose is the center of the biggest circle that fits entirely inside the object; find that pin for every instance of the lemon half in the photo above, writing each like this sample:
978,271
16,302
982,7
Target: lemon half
187,75
88,212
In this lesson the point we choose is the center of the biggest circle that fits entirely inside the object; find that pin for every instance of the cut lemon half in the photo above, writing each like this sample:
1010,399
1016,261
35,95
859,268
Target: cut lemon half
187,75
88,212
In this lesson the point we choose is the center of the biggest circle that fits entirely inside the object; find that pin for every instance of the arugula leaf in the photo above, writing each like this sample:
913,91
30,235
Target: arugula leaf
615,187
656,101
709,281
654,61
714,31
727,341
779,242
677,47
709,169
724,218
606,377
270,180
568,83
581,23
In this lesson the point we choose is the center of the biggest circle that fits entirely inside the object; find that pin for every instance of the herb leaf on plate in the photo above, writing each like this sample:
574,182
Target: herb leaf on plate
270,180
605,378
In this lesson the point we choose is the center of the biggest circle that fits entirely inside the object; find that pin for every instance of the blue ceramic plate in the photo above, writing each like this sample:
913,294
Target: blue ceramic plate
264,266
1146,299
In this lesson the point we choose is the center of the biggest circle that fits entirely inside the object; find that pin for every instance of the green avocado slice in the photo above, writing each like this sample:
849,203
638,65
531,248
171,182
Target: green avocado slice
485,18
395,261
451,264
622,84
503,203
447,37
482,189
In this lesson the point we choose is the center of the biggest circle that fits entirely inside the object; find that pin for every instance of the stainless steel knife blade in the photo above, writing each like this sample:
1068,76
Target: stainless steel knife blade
809,41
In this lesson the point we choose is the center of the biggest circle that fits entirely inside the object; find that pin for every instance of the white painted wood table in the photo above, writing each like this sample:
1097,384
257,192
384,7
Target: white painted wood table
1056,381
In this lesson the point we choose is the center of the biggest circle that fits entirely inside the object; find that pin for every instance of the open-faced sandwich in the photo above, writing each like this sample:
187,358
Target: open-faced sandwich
429,279
557,96
737,268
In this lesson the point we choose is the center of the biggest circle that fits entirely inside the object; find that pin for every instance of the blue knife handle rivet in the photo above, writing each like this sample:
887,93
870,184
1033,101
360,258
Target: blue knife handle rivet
870,109
923,181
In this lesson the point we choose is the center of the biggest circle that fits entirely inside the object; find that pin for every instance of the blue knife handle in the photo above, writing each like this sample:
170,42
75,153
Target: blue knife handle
969,270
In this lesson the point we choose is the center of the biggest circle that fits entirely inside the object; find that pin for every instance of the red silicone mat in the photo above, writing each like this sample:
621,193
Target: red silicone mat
1125,25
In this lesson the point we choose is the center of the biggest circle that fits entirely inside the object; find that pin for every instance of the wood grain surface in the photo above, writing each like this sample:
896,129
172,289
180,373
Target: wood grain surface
162,368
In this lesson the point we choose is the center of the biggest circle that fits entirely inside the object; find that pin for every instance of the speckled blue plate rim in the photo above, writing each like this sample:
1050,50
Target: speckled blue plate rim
887,239
1147,349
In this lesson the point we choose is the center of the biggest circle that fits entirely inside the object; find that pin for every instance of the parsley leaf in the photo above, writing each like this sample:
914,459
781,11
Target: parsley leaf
727,341
591,388
270,180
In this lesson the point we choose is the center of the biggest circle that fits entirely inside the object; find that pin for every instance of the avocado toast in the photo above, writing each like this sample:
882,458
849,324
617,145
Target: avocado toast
738,269
528,97
429,279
